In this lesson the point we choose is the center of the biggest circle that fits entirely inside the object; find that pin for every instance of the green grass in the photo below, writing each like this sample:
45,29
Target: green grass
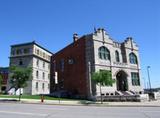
31,97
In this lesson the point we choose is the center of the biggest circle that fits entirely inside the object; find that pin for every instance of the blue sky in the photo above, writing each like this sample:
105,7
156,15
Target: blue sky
52,22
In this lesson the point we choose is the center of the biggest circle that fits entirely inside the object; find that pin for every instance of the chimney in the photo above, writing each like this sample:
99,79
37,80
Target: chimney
75,37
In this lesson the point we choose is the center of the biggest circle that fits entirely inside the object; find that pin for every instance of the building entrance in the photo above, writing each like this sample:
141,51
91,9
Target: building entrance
122,83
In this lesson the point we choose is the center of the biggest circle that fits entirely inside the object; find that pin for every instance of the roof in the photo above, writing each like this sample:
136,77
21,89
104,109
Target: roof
31,43
6,69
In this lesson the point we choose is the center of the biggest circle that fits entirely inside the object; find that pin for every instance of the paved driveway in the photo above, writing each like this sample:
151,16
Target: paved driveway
12,110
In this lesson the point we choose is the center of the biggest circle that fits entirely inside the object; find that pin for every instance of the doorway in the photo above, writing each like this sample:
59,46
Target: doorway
122,83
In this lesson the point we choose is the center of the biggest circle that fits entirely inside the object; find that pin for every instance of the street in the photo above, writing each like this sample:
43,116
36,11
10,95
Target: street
16,110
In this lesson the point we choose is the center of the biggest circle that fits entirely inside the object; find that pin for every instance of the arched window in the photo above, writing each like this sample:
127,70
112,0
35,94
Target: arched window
117,56
133,58
104,53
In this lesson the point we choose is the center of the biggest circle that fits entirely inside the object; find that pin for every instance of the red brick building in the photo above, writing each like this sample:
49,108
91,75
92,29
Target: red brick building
4,73
70,64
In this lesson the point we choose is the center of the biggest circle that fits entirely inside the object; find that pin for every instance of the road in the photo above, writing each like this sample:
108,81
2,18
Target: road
15,110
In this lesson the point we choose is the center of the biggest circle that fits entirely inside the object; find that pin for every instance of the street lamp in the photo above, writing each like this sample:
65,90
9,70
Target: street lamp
148,67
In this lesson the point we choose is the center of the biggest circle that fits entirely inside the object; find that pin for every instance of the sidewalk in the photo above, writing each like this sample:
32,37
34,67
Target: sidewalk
83,102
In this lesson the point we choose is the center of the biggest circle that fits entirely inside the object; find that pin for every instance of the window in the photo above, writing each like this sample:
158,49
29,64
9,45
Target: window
43,86
48,57
62,65
43,64
117,56
37,73
104,53
132,58
135,79
40,53
43,55
37,52
36,85
37,62
43,75
20,62
13,52
19,51
26,50
70,61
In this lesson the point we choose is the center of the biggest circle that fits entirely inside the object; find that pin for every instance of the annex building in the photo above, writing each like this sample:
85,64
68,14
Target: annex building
4,71
38,58
93,52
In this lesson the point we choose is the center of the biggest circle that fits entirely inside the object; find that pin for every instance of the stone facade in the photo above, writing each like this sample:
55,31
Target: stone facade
101,39
33,55
96,52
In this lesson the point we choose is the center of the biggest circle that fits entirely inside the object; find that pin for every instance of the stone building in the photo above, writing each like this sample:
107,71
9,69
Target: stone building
95,52
33,55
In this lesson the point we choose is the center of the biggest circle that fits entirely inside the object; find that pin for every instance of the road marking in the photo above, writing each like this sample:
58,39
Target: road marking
152,111
23,113
60,109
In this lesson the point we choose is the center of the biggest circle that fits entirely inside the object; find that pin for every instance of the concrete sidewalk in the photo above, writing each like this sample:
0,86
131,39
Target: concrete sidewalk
83,102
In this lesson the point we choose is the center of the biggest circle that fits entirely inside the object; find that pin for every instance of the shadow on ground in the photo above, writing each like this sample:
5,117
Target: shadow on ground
86,102
8,100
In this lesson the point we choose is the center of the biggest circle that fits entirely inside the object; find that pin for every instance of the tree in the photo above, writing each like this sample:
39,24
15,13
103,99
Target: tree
19,77
1,80
102,78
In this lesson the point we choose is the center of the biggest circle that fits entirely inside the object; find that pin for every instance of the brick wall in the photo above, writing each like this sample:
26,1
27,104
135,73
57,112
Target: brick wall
71,76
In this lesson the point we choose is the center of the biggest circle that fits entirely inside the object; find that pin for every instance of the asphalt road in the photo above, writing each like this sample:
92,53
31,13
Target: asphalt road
13,110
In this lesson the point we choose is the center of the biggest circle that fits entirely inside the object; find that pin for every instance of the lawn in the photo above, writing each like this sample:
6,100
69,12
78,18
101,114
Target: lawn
31,97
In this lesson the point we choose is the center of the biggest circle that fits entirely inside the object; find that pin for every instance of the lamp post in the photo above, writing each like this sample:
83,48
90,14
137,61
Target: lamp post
90,81
148,67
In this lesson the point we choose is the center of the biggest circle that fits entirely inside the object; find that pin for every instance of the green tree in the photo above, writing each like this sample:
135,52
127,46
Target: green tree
1,80
19,77
102,78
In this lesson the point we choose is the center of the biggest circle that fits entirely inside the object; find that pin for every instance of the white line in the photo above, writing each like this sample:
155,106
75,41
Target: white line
23,113
52,109
152,111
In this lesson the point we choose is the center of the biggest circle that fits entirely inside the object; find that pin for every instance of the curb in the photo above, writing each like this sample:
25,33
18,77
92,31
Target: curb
69,103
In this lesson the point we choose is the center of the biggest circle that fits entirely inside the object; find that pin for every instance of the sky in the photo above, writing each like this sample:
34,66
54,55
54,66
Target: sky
51,23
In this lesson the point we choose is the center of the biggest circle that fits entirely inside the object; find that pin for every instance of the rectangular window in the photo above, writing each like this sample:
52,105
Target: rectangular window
37,62
37,52
19,51
135,79
26,50
13,52
36,85
43,55
43,64
43,75
20,62
37,73
62,65
43,86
